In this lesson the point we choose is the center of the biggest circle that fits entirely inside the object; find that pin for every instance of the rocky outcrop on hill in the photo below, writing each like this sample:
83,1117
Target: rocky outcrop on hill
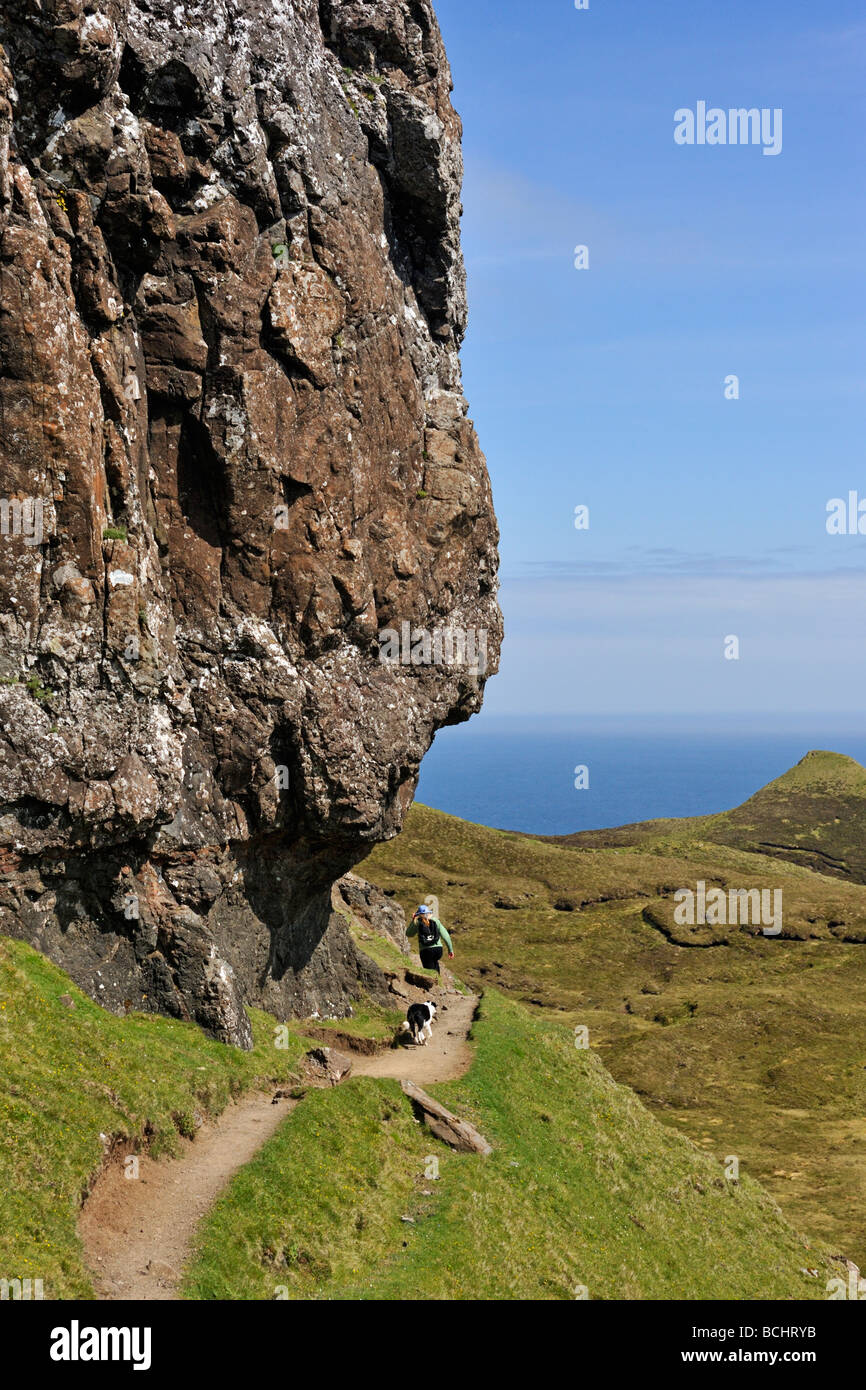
234,453
371,910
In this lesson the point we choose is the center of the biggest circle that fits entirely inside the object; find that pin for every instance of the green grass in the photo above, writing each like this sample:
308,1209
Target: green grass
368,1021
114,533
38,690
749,1047
584,1189
738,1044
69,1074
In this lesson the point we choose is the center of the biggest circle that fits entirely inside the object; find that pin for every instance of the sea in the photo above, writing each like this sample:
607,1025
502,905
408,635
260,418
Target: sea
554,777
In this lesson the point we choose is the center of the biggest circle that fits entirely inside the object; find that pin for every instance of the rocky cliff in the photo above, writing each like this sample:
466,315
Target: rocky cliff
234,453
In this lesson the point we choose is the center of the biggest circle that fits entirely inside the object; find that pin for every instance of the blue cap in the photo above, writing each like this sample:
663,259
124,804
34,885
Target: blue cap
425,911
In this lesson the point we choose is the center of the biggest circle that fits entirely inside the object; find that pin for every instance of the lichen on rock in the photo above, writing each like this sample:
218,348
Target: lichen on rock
234,450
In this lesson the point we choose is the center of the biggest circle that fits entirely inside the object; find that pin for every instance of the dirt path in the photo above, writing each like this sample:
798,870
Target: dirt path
137,1233
444,1057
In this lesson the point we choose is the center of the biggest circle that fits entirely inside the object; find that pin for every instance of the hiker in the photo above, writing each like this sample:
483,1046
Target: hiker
430,933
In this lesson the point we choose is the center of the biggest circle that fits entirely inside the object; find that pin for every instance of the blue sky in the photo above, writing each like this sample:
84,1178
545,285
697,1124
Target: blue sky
605,387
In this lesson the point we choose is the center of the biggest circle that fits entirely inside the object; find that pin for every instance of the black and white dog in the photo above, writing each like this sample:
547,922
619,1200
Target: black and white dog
419,1019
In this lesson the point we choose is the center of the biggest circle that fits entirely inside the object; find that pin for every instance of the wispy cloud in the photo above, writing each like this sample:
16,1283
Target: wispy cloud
637,562
653,644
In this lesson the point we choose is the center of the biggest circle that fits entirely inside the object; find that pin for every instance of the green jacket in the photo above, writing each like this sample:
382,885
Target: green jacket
412,930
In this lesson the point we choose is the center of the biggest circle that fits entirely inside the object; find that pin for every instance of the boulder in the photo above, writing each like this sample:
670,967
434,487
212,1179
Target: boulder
459,1134
325,1066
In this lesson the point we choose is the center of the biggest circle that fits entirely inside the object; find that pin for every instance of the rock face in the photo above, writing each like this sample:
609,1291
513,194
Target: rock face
371,910
234,453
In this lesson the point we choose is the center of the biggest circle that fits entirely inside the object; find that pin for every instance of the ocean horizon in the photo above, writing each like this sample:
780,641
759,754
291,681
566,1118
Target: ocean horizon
520,773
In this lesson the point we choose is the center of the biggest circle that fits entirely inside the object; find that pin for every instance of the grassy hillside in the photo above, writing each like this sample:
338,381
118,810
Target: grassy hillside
584,1188
813,815
750,1046
71,1073
741,1045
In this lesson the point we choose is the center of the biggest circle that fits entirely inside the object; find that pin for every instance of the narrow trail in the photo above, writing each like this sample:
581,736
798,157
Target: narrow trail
137,1233
446,1056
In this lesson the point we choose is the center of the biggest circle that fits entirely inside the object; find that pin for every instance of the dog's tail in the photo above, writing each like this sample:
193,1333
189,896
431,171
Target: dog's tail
404,1027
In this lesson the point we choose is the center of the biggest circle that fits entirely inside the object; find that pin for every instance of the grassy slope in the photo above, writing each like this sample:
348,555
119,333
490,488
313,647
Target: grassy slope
67,1074
584,1188
813,815
368,1020
744,1053
751,1047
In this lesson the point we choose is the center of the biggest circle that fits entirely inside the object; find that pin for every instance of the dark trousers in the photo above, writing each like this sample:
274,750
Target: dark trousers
430,957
